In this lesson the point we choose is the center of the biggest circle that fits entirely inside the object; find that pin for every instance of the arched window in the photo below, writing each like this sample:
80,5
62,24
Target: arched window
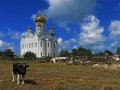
41,44
48,44
48,53
54,45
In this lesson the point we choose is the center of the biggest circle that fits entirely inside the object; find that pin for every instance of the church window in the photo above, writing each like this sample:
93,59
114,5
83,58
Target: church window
54,45
41,44
48,44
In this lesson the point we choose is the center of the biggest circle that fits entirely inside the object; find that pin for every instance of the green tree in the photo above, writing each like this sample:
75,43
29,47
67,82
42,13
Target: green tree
84,52
74,52
29,56
108,52
1,54
8,54
99,54
64,53
118,51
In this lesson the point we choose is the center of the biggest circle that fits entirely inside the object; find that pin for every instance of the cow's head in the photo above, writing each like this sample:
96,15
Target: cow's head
22,67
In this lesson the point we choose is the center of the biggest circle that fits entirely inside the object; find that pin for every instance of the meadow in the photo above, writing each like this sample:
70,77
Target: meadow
60,76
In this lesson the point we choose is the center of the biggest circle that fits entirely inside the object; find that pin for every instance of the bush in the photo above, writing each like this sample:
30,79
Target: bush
29,56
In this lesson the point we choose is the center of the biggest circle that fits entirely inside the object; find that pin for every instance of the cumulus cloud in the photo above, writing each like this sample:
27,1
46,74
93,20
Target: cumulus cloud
67,44
1,43
13,34
115,30
33,16
4,45
65,11
60,40
91,33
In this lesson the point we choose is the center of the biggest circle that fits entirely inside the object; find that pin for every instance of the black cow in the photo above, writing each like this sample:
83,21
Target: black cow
19,69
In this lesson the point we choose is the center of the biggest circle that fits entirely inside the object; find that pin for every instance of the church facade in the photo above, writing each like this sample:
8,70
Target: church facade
40,42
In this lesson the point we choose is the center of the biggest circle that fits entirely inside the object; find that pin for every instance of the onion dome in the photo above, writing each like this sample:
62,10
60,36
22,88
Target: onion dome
29,29
51,31
51,28
40,18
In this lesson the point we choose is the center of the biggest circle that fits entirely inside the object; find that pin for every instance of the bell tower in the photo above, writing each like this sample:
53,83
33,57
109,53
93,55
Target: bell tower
40,23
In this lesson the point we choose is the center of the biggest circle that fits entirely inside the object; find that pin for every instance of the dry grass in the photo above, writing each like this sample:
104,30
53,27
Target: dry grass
48,76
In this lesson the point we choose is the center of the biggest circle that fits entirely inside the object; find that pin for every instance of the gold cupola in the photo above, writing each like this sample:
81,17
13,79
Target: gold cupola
40,18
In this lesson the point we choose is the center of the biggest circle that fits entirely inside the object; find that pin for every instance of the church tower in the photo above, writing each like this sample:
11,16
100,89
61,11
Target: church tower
40,23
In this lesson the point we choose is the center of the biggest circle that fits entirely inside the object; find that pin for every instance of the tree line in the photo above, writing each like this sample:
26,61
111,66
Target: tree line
8,54
81,51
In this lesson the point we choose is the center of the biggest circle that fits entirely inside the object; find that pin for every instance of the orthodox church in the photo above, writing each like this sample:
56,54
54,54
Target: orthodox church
40,42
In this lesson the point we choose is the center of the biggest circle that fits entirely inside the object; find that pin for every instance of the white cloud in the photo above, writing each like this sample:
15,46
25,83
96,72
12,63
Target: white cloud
13,34
114,44
60,40
115,30
75,46
67,44
91,34
33,17
67,11
1,43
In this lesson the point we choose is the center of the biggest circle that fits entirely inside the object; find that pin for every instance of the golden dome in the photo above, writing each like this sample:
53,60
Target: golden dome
40,18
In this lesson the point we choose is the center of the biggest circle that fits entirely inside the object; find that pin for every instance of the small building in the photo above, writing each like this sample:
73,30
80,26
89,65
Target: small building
40,42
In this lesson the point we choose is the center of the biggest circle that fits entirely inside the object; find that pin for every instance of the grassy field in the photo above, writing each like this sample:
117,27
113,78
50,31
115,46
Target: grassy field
49,76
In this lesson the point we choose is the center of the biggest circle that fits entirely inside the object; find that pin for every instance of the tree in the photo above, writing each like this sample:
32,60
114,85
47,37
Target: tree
84,52
74,52
1,54
108,52
118,51
8,54
64,53
99,54
29,56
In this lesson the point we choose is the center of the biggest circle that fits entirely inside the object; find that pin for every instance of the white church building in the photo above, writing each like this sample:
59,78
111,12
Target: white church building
40,42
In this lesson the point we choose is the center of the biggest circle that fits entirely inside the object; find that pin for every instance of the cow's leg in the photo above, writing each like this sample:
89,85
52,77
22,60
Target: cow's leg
18,79
13,77
22,80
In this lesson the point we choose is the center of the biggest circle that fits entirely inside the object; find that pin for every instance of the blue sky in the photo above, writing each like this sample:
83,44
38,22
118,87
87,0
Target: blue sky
94,24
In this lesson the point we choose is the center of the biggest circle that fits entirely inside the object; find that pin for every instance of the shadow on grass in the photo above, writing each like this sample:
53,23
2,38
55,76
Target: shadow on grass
29,81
